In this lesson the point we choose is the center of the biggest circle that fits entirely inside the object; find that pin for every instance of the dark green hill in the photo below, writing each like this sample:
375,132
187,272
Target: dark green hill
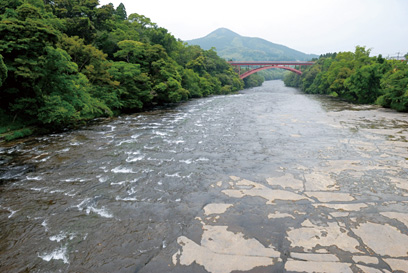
230,45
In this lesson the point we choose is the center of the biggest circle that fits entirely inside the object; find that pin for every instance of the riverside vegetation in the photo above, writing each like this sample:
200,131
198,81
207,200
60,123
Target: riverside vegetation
64,62
356,77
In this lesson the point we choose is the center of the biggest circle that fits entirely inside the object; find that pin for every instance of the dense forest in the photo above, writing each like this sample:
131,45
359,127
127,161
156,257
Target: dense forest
356,77
64,62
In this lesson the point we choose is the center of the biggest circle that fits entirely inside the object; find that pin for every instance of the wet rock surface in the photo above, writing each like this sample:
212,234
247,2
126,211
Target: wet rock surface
269,180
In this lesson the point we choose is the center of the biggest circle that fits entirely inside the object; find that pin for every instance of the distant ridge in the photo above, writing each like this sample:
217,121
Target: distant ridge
230,45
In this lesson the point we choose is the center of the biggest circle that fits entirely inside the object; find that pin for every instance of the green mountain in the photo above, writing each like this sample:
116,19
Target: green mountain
230,45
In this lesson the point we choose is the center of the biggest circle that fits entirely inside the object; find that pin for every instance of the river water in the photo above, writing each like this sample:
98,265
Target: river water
267,180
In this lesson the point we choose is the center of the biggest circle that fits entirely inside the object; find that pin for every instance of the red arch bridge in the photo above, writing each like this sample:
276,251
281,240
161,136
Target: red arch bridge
254,67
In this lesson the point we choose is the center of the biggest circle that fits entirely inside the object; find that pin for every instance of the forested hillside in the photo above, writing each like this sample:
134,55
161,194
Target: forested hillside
63,62
356,77
232,46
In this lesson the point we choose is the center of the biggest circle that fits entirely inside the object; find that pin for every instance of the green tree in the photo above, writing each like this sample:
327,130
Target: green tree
394,86
23,46
66,61
3,71
121,12
9,5
64,92
292,80
216,83
197,64
93,64
191,82
26,11
357,77
339,70
309,76
364,83
206,88
253,80
141,21
74,8
130,51
79,17
167,81
135,86
91,61
186,53
160,36
104,18
362,56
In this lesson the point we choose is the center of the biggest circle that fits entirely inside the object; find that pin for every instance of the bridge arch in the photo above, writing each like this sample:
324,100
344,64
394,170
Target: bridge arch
250,72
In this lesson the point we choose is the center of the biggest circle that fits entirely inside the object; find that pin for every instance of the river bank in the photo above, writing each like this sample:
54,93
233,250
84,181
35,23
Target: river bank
356,77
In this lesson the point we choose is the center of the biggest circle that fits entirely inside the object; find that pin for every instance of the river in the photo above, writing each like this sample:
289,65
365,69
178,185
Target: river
267,180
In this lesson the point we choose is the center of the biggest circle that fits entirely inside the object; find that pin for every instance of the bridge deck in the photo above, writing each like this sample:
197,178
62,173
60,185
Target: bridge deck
271,63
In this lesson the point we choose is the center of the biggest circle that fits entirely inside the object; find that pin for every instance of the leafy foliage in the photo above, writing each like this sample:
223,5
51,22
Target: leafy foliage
121,12
253,80
3,71
356,77
19,134
63,62
394,86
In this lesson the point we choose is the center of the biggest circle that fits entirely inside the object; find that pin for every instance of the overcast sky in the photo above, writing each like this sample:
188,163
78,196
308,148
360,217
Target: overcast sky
310,26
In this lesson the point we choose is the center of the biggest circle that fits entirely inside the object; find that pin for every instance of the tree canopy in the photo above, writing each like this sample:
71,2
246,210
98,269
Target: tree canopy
63,62
356,77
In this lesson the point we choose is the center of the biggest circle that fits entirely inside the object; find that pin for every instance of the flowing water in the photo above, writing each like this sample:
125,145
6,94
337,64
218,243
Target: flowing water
267,180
